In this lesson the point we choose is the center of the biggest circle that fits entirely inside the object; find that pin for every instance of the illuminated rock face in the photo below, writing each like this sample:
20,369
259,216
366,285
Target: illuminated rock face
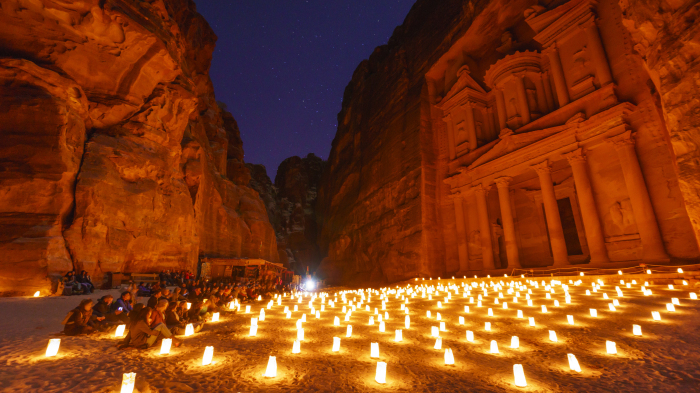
291,207
507,135
116,155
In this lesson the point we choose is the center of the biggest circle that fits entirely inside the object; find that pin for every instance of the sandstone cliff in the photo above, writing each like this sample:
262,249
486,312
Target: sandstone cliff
291,206
116,155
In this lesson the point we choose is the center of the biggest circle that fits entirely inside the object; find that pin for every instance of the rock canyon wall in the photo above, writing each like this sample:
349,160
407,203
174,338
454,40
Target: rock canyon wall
489,136
291,207
116,155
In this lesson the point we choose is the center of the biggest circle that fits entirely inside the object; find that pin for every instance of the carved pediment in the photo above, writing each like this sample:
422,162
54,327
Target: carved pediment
464,81
512,142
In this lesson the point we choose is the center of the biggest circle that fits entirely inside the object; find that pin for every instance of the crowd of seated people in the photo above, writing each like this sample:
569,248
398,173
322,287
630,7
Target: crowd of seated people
165,313
77,283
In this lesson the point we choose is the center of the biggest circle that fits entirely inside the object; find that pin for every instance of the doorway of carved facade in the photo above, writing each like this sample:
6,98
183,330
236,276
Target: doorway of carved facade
568,225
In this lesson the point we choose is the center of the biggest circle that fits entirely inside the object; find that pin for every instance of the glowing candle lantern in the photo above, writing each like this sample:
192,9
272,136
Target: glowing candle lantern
611,306
670,307
374,350
336,344
466,309
381,326
52,349
434,331
490,312
544,309
573,362
552,336
656,315
128,381
296,347
296,308
520,374
605,296
380,376
289,314
215,317
470,336
529,302
675,301
636,330
487,326
300,334
165,346
247,309
514,342
505,305
548,296
461,320
438,343
520,314
594,312
588,292
37,293
120,331
610,347
670,286
407,322
449,358
371,320
693,295
442,327
253,330
615,302
208,355
532,321
439,305
427,313
680,270
271,370
259,297
376,311
348,333
189,305
570,318
189,330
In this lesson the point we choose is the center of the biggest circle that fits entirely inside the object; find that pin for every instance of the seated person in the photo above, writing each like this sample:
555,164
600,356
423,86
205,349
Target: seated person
103,308
84,279
123,304
153,300
80,320
72,284
141,334
144,289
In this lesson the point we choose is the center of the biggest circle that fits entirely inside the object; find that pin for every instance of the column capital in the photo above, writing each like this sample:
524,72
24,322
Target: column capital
542,167
447,117
503,182
455,195
622,140
552,48
576,156
481,188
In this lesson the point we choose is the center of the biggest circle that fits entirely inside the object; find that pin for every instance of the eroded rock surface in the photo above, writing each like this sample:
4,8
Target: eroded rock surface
116,155
291,206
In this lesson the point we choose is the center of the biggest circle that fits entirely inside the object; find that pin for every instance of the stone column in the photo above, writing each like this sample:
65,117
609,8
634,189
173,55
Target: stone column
549,199
558,74
589,209
600,60
522,98
471,125
548,92
484,227
541,100
501,108
450,135
493,133
508,225
652,243
462,249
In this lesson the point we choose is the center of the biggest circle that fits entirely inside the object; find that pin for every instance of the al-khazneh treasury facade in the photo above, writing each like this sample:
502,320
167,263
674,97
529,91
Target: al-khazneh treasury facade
553,151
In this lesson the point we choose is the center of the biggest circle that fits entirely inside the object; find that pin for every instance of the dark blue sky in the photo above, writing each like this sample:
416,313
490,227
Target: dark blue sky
281,67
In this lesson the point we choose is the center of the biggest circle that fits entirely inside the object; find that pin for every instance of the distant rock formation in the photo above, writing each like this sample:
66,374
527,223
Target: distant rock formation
115,154
291,206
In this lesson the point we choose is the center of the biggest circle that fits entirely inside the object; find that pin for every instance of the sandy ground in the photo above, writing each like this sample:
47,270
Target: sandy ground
665,359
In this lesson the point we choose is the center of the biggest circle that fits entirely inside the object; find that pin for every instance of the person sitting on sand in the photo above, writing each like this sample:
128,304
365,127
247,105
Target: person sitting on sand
153,300
71,283
103,308
123,304
172,319
80,320
142,336
84,279
144,290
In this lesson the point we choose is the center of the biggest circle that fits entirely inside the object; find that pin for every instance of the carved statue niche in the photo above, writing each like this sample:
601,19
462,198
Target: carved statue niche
461,136
474,243
581,74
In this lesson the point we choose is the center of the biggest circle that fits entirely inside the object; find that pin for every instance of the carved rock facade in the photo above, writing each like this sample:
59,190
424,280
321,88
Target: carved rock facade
116,154
513,135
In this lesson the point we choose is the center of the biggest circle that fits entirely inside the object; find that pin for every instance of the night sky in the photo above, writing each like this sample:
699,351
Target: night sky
281,67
